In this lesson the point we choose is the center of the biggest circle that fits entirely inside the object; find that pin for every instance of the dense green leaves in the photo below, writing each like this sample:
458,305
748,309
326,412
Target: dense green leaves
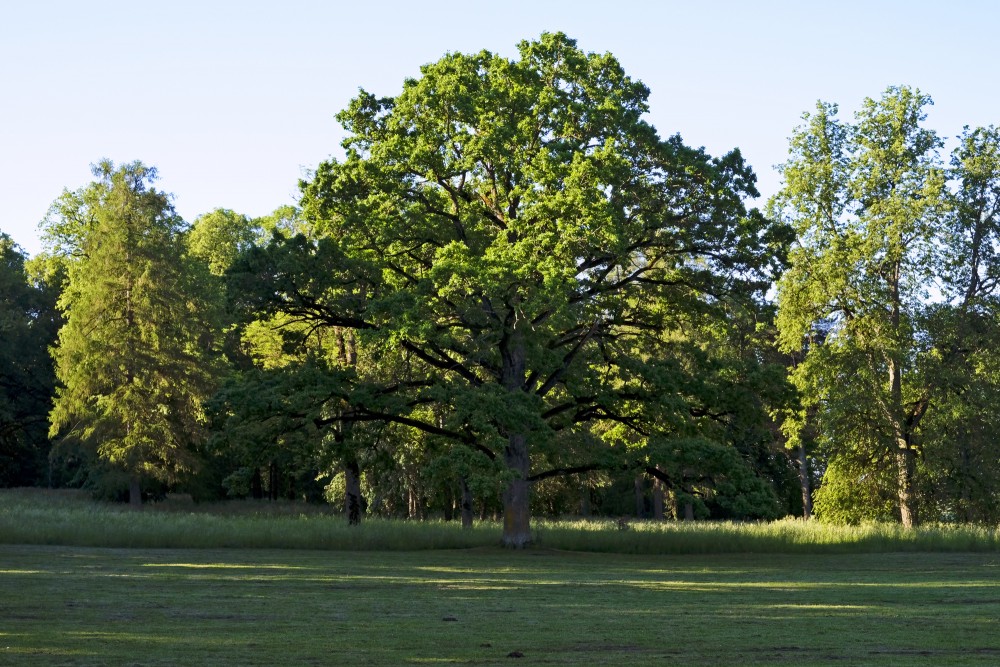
28,323
888,304
511,294
530,253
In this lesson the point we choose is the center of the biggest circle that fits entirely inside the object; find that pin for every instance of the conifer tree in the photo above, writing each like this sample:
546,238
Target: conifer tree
132,357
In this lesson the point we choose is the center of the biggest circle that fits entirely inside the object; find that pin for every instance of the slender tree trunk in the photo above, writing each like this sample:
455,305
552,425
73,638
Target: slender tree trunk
640,497
135,491
905,456
273,480
804,483
412,510
466,505
449,505
352,497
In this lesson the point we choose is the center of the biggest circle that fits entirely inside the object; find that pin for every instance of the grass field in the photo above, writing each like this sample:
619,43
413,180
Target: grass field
87,606
84,583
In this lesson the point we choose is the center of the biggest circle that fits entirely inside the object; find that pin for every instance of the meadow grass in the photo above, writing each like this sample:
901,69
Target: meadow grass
250,583
71,518
485,606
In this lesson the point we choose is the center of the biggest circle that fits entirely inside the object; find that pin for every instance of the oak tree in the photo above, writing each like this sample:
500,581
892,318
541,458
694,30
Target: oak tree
527,252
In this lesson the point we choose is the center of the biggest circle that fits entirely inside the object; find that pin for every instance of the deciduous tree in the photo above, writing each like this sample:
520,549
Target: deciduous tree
519,238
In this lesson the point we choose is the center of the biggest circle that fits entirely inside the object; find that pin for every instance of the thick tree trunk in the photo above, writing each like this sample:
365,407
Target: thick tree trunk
689,511
135,492
517,496
466,505
805,484
352,497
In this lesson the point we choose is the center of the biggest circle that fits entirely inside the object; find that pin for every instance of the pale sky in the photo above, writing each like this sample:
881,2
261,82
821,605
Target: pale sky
234,100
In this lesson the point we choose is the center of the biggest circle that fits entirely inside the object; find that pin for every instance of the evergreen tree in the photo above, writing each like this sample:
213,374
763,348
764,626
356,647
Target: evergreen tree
133,356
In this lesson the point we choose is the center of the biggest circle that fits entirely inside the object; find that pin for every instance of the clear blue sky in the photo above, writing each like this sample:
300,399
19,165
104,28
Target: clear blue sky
233,100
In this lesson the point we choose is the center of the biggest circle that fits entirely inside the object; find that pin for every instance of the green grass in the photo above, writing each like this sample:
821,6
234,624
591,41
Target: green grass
85,583
85,606
37,516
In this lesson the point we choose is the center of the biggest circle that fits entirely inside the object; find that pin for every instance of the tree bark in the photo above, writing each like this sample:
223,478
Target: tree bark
517,496
906,465
804,483
905,456
256,485
352,497
640,497
466,505
658,499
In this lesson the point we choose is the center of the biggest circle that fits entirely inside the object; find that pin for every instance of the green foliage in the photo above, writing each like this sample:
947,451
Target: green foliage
893,377
527,255
133,357
28,324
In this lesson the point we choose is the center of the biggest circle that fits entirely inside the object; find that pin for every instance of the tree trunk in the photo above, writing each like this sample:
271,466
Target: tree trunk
135,491
412,511
466,505
688,511
905,463
256,485
658,499
273,481
352,497
804,483
640,497
517,496
905,456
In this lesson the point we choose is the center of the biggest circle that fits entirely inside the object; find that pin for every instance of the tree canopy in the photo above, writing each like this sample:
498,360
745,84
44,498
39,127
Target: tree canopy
531,256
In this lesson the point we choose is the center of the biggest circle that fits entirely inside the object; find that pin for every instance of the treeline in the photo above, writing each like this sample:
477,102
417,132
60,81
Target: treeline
513,296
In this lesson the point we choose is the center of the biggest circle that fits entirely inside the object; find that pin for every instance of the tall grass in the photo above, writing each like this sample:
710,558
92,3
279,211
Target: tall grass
34,516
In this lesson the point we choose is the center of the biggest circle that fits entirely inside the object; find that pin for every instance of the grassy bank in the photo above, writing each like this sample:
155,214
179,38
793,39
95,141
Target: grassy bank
34,516
81,606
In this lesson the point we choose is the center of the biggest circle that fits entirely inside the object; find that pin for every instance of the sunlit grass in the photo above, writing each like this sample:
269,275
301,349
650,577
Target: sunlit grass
85,606
32,516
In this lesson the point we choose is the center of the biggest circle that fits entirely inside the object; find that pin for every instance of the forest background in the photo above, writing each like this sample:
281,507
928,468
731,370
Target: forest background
759,455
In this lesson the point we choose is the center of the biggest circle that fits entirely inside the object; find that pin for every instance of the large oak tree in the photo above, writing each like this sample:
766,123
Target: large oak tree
527,253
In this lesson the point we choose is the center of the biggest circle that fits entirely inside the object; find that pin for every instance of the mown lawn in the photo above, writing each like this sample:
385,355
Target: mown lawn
96,606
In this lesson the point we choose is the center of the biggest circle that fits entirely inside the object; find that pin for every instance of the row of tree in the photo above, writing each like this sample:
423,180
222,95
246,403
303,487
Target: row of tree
512,293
